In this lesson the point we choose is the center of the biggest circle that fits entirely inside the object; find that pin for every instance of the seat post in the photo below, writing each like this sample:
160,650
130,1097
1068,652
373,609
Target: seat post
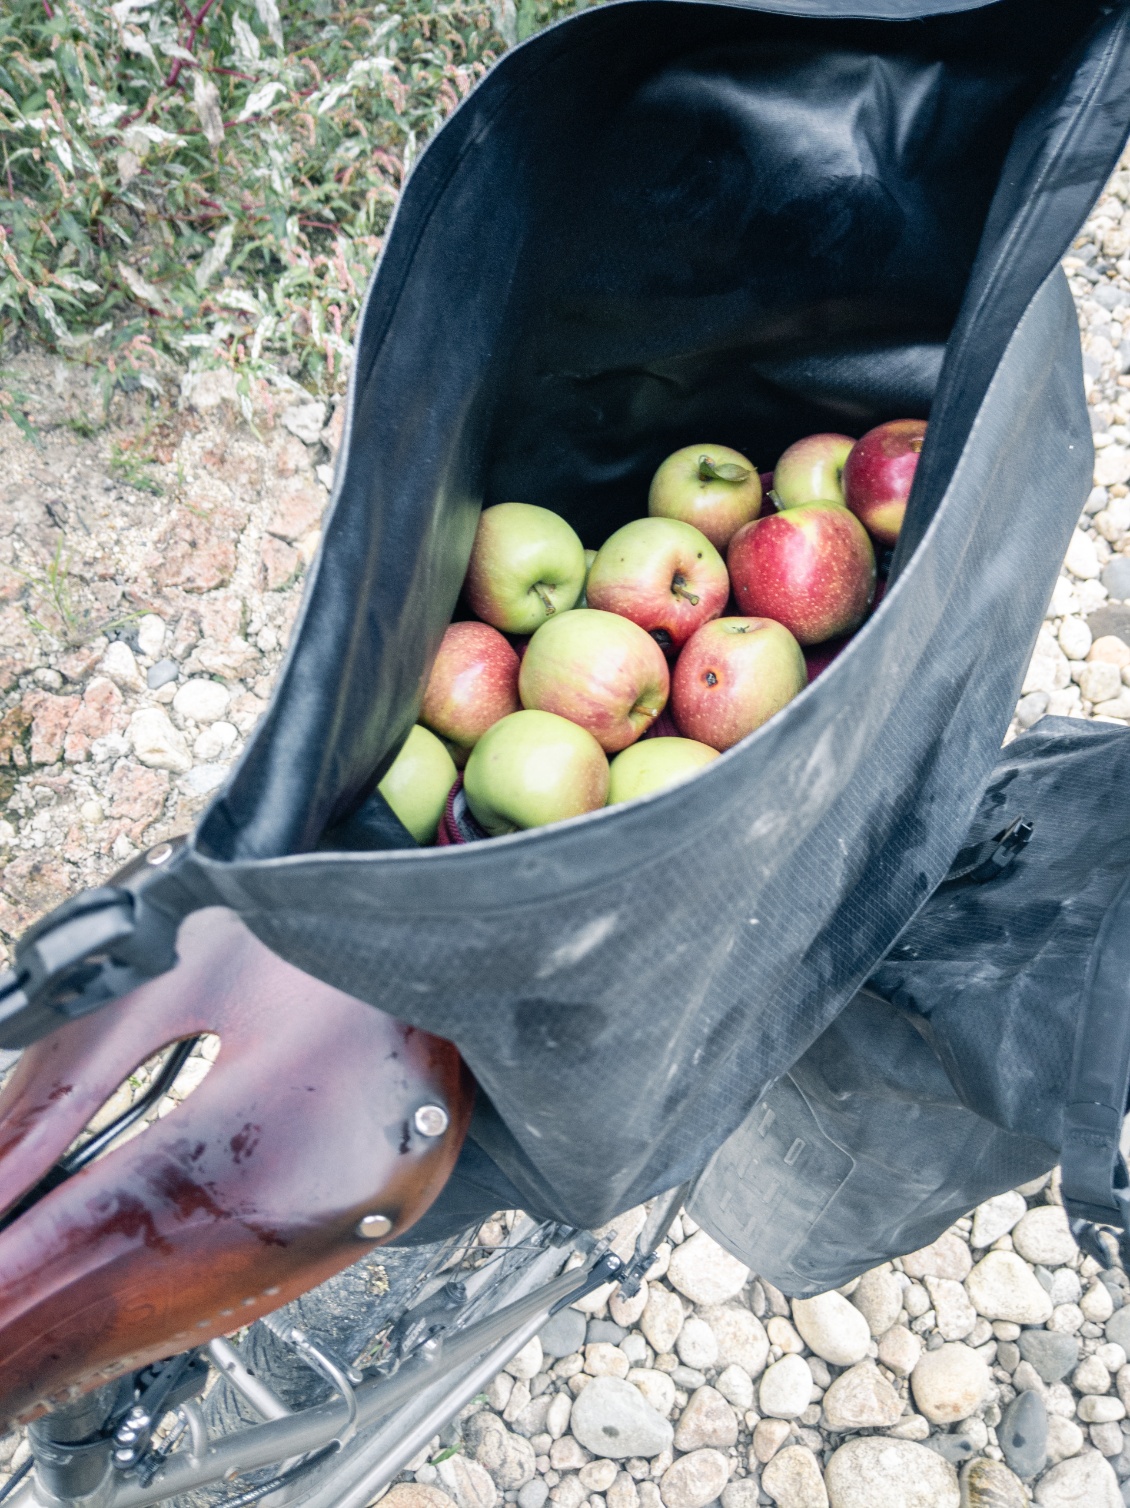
72,1455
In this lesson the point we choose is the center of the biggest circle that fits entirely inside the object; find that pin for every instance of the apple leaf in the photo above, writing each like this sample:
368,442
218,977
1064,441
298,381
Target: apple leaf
724,471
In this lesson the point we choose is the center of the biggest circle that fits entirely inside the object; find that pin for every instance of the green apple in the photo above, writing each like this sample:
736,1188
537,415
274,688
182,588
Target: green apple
526,565
655,763
532,768
710,486
812,471
417,783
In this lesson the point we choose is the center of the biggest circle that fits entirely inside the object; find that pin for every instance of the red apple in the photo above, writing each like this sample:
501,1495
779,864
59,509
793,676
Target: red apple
733,676
474,682
811,471
600,671
811,568
526,564
662,574
710,486
879,474
532,768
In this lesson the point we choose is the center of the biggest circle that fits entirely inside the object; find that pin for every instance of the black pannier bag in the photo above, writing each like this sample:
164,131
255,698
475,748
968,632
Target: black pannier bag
653,224
992,1041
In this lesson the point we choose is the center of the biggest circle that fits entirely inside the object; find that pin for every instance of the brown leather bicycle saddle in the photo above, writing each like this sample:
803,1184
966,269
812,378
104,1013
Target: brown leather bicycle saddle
246,1194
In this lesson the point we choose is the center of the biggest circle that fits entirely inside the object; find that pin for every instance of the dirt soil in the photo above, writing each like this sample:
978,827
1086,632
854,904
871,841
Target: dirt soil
152,566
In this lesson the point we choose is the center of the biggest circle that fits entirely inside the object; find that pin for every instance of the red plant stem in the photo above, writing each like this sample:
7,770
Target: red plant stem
47,8
197,23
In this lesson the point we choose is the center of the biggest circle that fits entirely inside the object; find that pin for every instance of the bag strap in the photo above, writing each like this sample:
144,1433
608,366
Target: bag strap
1096,1183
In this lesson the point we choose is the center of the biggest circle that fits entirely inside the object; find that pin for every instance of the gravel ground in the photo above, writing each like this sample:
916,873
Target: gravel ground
149,577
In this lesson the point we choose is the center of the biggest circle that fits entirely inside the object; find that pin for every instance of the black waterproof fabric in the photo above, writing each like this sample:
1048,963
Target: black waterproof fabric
655,223
947,1079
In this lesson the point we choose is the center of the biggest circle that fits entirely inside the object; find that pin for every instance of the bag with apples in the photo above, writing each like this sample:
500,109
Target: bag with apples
651,226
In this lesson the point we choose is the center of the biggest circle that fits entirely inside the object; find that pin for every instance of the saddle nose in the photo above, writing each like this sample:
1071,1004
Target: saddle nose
323,1126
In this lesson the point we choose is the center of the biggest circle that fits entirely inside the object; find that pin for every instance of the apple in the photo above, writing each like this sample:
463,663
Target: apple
532,768
654,764
526,565
811,568
582,600
879,474
417,782
474,682
811,471
733,676
664,575
600,671
710,486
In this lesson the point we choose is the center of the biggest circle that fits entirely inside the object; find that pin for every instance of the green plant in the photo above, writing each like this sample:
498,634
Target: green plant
213,183
129,467
53,591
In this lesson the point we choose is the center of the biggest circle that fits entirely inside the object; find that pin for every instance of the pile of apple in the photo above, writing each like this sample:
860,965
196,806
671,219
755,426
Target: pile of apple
593,677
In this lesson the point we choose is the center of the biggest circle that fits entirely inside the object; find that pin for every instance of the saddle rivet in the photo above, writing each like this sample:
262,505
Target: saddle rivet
431,1120
373,1227
159,854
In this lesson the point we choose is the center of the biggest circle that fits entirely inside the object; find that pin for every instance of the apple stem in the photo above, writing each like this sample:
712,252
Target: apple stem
725,471
546,600
679,587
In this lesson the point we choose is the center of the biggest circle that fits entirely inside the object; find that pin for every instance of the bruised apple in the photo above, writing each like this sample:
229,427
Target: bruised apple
662,574
474,682
526,565
655,763
417,782
600,671
533,768
811,471
811,568
733,676
879,475
710,486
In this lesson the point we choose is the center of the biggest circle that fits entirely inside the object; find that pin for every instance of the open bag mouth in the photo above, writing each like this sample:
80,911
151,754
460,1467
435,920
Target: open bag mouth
655,224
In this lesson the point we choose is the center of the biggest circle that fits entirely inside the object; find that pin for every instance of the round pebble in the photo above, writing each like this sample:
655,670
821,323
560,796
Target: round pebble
611,1418
793,1479
996,1217
201,700
705,1273
1065,1438
990,1484
861,1398
878,1298
736,1386
1043,1234
1053,1356
950,1383
876,1472
1023,1434
416,1495
786,1388
1082,1481
697,1345
833,1328
695,1479
662,1319
707,1420
741,1337
1003,1286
